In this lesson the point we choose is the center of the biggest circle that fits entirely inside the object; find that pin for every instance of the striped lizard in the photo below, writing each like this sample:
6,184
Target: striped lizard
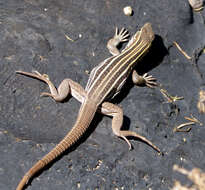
105,81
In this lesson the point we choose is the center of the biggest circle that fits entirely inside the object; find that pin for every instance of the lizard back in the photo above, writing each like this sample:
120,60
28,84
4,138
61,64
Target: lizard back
107,79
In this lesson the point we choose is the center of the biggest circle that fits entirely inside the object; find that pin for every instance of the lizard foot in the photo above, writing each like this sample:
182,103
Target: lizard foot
43,77
35,74
150,81
46,79
124,134
121,36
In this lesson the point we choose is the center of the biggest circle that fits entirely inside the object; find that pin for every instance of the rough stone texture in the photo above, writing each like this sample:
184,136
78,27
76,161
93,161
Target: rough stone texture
32,37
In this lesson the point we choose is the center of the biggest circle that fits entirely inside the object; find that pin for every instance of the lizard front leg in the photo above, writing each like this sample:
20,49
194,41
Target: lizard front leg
66,87
117,113
119,37
144,80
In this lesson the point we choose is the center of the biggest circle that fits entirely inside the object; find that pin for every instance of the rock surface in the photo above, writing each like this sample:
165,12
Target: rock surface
34,35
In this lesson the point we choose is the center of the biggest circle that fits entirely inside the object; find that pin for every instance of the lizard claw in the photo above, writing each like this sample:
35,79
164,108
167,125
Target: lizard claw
124,134
41,75
150,81
122,36
45,94
35,74
128,142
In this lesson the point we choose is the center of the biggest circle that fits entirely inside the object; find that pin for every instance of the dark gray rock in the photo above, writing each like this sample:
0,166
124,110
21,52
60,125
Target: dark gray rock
32,37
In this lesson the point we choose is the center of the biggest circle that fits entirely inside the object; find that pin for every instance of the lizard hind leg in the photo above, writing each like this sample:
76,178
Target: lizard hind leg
66,87
43,77
117,114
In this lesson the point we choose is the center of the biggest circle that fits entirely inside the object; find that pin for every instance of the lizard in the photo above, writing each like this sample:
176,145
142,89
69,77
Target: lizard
105,81
197,5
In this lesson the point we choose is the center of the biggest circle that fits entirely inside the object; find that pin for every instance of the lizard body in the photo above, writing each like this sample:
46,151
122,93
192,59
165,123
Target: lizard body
105,81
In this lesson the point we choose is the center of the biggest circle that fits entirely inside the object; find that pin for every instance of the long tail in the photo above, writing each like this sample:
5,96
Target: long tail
85,116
